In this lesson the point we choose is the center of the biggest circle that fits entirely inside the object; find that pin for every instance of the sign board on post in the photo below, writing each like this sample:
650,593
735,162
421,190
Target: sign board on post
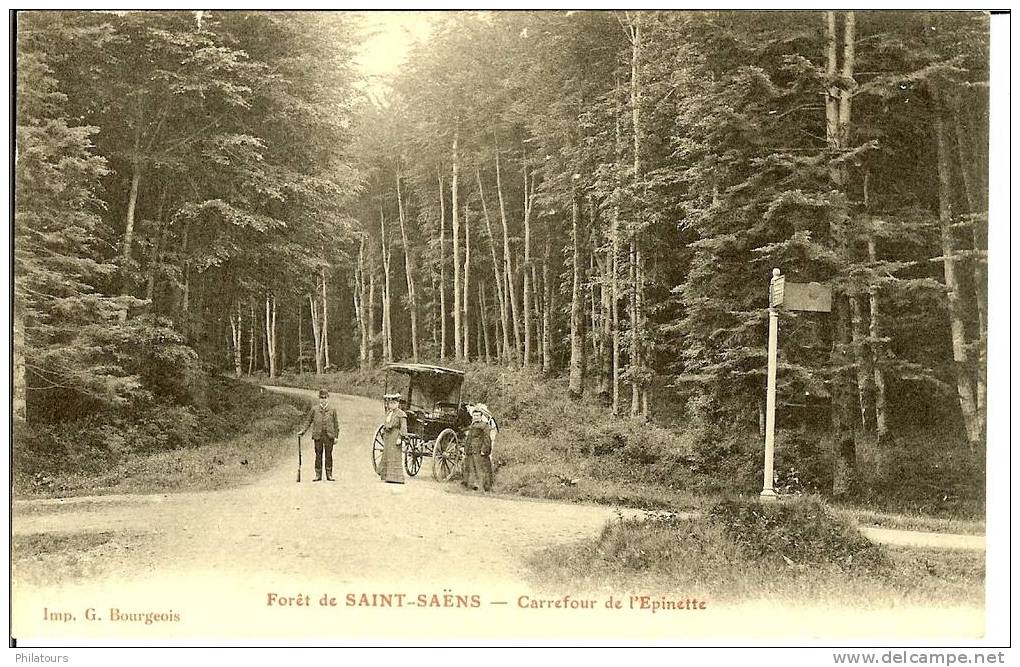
777,291
813,297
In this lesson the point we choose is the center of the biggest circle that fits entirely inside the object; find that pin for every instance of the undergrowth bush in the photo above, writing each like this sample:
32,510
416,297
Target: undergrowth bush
796,532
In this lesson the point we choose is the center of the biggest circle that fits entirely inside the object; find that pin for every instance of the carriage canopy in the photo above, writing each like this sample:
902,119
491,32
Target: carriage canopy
425,386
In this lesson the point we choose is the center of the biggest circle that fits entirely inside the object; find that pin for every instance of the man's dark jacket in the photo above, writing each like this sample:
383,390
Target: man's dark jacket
324,422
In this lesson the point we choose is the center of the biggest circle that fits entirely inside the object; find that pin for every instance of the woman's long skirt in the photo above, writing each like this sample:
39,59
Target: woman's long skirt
391,467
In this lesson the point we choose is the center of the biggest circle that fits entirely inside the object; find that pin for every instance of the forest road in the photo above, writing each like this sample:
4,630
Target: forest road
355,558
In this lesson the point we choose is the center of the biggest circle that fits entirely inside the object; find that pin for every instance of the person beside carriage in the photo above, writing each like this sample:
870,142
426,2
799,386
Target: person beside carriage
391,466
479,439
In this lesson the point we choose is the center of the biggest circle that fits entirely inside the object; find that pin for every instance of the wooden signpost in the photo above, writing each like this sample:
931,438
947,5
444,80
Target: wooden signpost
810,297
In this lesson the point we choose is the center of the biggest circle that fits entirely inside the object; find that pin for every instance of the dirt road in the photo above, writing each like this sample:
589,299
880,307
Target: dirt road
414,563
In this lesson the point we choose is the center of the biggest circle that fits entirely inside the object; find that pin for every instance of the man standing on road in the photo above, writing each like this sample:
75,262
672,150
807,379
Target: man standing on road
325,426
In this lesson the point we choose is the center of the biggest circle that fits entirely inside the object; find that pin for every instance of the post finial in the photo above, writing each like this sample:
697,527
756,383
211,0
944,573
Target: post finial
775,272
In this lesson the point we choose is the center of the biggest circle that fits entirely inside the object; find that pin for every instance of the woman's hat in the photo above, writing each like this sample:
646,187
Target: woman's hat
391,397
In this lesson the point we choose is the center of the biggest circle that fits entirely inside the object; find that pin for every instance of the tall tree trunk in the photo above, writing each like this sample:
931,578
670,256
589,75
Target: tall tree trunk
638,402
156,255
456,250
594,324
862,363
576,382
843,120
442,270
497,273
235,339
635,332
300,343
971,191
412,298
251,338
185,305
360,296
881,420
605,376
964,387
387,303
19,389
837,120
325,322
129,221
614,289
529,197
843,417
371,316
271,333
875,330
484,319
467,279
549,313
511,288
316,334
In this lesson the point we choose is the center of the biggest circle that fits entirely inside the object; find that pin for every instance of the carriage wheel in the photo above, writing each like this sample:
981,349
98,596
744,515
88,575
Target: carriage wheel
377,449
445,455
413,455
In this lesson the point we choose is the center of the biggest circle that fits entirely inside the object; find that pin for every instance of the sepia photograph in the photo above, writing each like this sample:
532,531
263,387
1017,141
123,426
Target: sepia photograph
519,327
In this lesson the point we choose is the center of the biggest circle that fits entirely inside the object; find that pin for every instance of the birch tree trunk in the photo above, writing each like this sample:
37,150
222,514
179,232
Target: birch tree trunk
576,382
497,273
443,309
412,299
511,288
963,383
456,250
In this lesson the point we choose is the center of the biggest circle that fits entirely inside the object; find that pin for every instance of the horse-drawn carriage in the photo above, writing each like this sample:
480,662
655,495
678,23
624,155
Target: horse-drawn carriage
436,417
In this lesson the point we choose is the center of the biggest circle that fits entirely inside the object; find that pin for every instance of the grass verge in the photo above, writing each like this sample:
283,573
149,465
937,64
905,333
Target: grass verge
38,559
252,447
796,553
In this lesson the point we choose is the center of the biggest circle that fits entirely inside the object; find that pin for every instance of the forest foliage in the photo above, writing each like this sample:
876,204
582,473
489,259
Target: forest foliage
596,195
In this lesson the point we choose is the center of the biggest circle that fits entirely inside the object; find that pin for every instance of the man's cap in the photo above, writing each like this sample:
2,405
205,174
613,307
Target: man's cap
323,393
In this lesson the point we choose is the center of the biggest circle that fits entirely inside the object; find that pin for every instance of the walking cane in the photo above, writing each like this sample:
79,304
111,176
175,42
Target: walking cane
299,458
